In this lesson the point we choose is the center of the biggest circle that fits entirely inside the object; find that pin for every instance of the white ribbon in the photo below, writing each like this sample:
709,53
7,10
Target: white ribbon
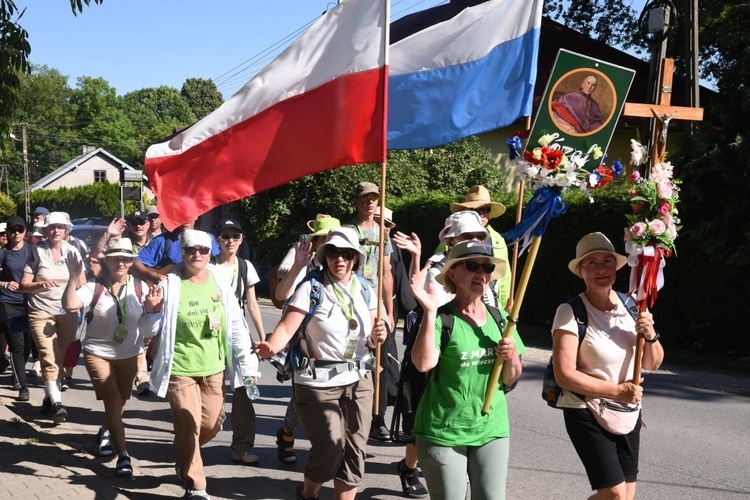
637,279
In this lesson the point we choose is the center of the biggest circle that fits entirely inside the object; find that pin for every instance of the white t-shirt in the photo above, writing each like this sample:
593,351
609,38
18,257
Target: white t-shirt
288,262
102,331
230,273
608,349
49,300
328,331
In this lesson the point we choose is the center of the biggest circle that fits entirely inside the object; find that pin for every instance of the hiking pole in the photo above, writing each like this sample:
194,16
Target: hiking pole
512,320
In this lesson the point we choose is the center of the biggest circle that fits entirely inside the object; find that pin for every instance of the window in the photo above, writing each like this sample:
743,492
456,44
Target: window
100,176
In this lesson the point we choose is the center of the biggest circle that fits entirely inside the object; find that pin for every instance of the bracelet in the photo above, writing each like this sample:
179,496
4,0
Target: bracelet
5,285
654,339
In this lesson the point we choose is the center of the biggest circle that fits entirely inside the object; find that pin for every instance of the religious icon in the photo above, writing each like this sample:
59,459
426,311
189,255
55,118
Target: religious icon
582,101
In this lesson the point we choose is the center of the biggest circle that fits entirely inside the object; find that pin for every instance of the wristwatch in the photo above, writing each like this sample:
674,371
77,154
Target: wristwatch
652,340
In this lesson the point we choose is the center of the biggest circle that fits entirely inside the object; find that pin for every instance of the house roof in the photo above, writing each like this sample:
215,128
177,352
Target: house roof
77,161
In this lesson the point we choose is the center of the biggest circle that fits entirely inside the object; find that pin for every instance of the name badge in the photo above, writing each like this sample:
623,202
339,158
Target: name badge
214,322
120,335
351,344
367,272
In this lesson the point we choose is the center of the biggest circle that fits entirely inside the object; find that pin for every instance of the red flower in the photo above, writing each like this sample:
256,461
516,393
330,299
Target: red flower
552,158
529,156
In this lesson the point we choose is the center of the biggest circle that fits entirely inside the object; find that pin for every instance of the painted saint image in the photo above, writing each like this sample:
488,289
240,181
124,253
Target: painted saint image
578,112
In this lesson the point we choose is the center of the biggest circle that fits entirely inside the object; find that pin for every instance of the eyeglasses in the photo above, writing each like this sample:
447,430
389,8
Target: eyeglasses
346,253
200,250
17,229
475,236
473,266
227,237
483,210
57,227
2,234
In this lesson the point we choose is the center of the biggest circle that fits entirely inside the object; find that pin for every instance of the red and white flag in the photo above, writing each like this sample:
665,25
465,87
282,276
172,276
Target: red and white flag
317,106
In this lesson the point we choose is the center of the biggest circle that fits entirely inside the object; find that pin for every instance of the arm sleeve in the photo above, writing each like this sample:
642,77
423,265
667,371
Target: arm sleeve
151,254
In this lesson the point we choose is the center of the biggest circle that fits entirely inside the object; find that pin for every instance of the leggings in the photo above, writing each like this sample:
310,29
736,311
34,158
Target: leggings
445,469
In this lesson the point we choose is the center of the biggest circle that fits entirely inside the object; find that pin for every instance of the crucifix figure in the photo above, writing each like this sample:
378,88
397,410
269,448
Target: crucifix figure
663,112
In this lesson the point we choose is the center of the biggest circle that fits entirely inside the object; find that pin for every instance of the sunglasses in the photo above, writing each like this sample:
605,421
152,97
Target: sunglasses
473,266
138,222
2,234
483,210
17,229
200,250
153,216
346,253
227,237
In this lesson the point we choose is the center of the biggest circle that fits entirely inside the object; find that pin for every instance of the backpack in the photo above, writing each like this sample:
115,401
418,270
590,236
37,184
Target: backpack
239,291
99,289
412,383
295,358
551,391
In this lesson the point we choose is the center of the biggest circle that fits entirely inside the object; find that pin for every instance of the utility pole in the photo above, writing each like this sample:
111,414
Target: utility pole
25,172
692,80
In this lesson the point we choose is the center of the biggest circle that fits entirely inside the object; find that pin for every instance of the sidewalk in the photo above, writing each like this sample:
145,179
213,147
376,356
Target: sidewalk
32,466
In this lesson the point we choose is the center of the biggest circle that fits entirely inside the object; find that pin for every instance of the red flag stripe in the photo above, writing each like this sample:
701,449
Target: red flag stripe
338,123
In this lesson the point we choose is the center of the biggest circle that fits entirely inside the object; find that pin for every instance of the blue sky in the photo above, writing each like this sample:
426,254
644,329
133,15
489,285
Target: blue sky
136,44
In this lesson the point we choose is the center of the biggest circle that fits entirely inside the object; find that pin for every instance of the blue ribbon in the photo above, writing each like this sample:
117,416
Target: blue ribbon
546,204
514,146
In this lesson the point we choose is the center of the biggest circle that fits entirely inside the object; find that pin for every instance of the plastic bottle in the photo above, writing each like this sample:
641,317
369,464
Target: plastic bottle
251,388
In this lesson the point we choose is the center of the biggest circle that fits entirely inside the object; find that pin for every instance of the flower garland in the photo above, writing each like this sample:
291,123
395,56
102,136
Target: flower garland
654,202
554,165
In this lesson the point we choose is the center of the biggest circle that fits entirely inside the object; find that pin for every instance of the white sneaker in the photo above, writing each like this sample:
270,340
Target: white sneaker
36,369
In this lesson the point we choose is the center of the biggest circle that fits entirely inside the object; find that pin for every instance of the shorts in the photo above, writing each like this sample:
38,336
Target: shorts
609,459
111,376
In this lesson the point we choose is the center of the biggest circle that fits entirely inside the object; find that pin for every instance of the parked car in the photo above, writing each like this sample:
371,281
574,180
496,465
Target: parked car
92,221
89,234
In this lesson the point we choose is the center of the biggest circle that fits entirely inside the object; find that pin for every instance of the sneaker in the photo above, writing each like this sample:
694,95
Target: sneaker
410,483
197,495
285,446
59,413
378,430
246,458
143,389
65,384
123,468
23,394
36,370
103,445
298,493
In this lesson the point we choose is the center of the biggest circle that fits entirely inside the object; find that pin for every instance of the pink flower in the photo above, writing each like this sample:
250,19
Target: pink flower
638,229
664,208
633,193
667,218
635,176
657,227
672,231
665,190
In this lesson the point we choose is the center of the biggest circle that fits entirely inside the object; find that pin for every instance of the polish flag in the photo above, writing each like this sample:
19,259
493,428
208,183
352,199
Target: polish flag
319,105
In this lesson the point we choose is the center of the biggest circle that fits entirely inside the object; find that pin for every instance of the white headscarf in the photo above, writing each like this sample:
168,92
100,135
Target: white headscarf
194,238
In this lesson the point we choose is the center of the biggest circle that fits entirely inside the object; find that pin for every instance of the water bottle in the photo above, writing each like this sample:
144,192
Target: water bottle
251,388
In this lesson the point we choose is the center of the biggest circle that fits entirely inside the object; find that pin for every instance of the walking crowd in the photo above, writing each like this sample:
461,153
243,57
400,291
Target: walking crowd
164,312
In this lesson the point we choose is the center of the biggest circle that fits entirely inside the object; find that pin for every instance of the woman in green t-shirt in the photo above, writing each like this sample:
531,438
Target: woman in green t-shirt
453,438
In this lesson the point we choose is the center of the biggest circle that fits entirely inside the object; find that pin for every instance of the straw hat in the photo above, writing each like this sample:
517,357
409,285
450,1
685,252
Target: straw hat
478,196
120,247
321,225
388,222
593,243
460,223
472,250
342,237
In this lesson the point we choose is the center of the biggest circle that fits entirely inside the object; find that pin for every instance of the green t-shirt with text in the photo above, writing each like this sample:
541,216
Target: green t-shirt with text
450,411
200,341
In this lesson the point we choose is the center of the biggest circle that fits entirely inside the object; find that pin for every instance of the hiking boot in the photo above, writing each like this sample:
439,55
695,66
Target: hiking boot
410,483
23,394
197,495
378,430
103,444
285,446
246,458
59,413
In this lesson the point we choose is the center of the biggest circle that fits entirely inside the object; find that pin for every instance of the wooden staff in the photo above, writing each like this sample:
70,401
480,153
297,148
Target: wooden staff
511,326
381,252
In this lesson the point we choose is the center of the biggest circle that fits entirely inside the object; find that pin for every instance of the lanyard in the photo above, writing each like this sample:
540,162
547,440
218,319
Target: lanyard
348,313
121,311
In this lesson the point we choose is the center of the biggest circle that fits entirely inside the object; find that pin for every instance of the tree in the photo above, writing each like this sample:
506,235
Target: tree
157,112
201,95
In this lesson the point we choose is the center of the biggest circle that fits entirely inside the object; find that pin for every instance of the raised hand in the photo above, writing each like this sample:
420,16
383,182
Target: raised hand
303,253
154,301
427,298
410,243
116,227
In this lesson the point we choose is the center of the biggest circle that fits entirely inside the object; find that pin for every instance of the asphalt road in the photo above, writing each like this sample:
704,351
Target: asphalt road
696,444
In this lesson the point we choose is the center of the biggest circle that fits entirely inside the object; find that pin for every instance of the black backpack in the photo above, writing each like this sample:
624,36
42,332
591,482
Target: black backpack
551,391
412,382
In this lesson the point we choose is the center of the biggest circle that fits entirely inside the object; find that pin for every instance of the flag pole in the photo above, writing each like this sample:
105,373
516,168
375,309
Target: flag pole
383,169
512,319
517,245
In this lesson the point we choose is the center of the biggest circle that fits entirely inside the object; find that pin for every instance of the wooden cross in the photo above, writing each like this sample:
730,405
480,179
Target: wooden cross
662,112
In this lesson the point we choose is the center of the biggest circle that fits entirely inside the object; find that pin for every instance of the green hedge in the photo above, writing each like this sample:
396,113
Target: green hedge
101,199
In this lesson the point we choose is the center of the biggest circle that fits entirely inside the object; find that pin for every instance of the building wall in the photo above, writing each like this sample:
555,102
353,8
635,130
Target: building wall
84,174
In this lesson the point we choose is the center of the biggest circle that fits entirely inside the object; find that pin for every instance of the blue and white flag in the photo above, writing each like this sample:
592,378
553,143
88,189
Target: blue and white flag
465,75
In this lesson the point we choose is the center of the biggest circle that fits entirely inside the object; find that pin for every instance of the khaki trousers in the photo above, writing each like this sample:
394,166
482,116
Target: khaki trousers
197,413
52,335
